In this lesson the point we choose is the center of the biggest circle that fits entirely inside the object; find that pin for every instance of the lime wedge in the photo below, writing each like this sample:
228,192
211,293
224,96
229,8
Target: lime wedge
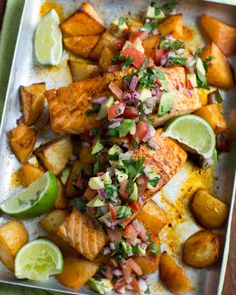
194,133
35,200
37,260
48,40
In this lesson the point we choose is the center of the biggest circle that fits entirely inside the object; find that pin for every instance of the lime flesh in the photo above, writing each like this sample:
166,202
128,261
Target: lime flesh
194,133
35,200
48,40
37,260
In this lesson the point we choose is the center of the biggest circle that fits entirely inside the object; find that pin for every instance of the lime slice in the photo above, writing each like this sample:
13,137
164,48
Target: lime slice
35,200
48,40
37,260
193,132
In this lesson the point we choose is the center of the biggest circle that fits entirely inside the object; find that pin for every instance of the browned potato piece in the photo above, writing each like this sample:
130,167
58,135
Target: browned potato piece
91,11
32,102
77,272
30,174
52,220
13,235
203,94
219,71
174,276
201,249
81,23
85,155
107,40
55,154
223,35
61,201
80,71
81,45
22,141
150,44
209,211
65,248
149,263
133,25
105,59
152,217
75,172
173,25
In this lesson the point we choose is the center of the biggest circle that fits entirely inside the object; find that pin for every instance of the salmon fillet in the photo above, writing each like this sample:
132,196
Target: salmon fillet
165,161
78,231
68,105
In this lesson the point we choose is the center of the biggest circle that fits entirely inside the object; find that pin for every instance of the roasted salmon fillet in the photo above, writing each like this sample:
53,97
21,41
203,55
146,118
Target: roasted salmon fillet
80,233
165,161
68,105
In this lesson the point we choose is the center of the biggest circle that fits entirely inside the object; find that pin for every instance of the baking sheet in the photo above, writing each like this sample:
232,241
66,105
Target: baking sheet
176,194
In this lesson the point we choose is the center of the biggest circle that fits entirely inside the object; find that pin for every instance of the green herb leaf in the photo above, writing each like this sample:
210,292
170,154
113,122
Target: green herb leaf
95,109
96,167
154,181
125,127
96,131
179,61
153,248
121,21
129,60
150,27
171,44
169,7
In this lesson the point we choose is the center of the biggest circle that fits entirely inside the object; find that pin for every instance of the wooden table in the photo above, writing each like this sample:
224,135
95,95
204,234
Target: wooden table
230,278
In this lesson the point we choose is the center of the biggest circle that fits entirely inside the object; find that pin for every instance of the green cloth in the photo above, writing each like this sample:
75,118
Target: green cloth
7,45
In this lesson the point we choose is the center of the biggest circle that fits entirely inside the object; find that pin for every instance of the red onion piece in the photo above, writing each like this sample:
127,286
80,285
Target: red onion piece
102,194
116,90
100,100
114,68
133,83
189,93
152,144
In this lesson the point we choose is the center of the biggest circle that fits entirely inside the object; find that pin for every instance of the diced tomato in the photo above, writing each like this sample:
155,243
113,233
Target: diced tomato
137,56
122,189
119,43
142,182
140,35
130,232
108,273
134,283
114,235
120,284
158,55
112,211
134,266
116,90
135,206
126,269
142,129
189,84
130,113
116,110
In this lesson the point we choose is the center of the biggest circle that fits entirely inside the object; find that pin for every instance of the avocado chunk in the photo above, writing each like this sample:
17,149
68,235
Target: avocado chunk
104,108
166,103
96,202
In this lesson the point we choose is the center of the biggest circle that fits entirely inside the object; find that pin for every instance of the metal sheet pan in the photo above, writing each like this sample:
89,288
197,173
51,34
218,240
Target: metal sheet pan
26,71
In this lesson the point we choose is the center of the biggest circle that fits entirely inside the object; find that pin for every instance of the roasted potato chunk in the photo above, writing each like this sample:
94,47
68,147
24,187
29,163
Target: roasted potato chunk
150,262
152,217
61,201
219,71
85,155
30,174
55,154
201,249
172,25
210,212
65,248
223,35
81,45
80,71
105,59
77,272
203,95
53,220
91,11
72,189
22,140
212,113
174,276
32,102
150,44
13,235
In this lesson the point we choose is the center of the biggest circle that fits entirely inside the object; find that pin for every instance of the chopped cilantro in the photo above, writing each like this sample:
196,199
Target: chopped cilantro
79,203
129,60
96,131
198,51
219,98
146,62
114,132
150,27
114,157
206,61
153,248
171,44
134,167
96,167
117,58
111,191
175,60
154,181
136,143
169,6
121,21
202,81
129,186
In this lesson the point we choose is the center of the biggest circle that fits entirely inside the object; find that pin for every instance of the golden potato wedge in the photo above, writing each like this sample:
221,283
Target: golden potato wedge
88,8
81,45
219,71
203,94
173,276
65,248
13,235
80,71
223,35
202,249
52,220
81,23
107,40
152,217
150,262
22,140
61,201
85,155
55,154
173,25
73,191
150,44
32,102
30,174
210,212
133,25
212,113
105,59
77,272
